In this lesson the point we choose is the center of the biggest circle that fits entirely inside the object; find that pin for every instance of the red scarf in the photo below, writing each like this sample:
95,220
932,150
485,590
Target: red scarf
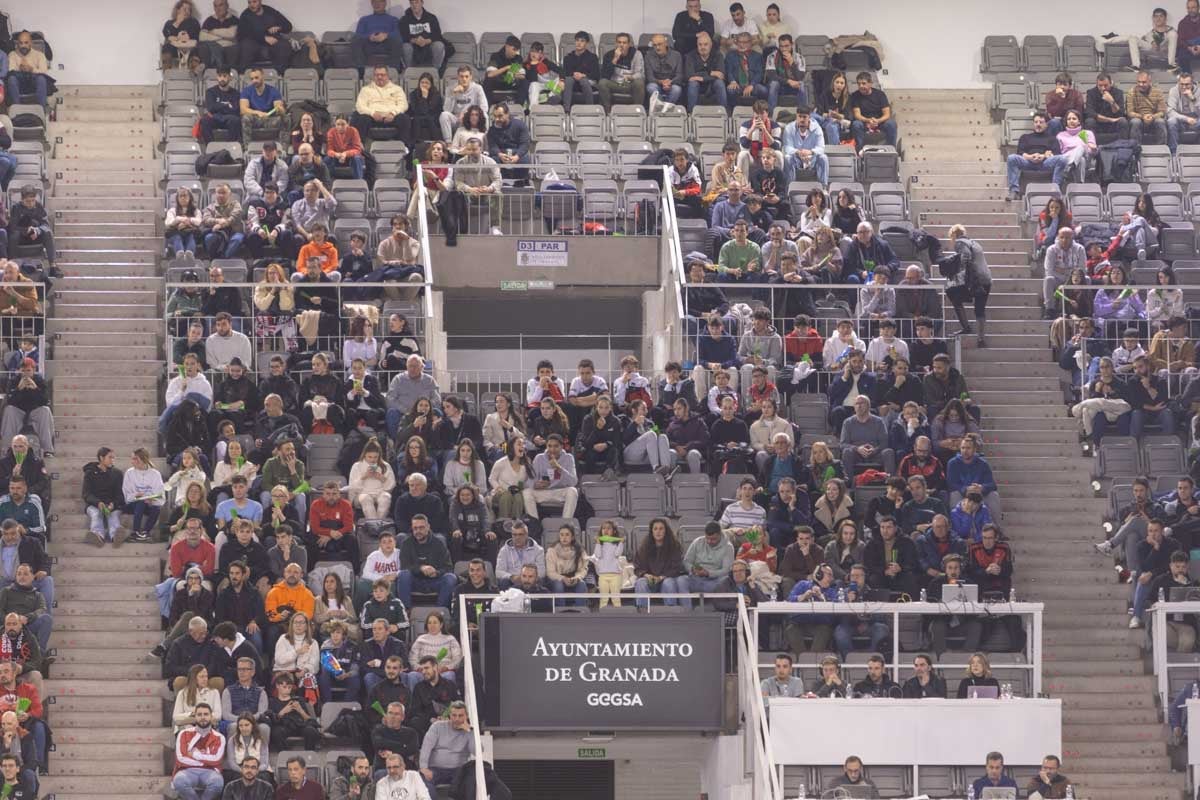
11,650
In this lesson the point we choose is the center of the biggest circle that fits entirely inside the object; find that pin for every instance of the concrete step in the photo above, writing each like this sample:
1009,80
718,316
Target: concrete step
89,339
1100,700
85,743
112,411
65,230
135,114
115,175
82,721
129,242
950,168
1006,363
1097,615
108,324
94,310
1089,716
1008,435
144,622
989,398
74,165
83,209
105,688
117,672
920,191
1090,669
1124,779
1095,765
106,190
933,204
961,181
105,131
1065,654
125,296
82,283
75,369
111,269
107,767
1110,733
98,568
106,351
88,94
72,384
87,148
69,705
104,592
124,608
1095,636
117,256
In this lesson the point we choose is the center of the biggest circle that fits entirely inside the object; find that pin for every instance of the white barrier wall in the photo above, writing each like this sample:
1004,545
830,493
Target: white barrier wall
941,732
934,43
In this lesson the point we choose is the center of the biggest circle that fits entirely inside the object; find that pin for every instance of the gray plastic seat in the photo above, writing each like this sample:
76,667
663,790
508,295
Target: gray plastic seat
1000,54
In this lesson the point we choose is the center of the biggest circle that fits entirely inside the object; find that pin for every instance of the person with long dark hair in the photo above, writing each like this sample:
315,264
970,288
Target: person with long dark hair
658,565
425,108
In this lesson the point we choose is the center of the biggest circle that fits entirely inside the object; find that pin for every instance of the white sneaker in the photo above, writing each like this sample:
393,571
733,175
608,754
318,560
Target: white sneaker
1103,547
497,232
1134,622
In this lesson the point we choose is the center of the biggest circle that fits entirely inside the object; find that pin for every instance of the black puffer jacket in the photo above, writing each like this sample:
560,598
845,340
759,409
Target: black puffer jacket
102,486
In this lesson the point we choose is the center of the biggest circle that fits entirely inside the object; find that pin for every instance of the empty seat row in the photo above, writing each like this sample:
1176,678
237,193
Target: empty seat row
1038,53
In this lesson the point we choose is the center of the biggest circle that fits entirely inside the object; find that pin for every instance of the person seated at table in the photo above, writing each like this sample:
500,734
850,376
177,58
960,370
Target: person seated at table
994,776
978,673
852,774
877,683
924,682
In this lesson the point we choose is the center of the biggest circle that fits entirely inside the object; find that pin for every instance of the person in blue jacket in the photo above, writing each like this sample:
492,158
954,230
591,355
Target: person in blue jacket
822,588
716,350
966,470
969,516
935,544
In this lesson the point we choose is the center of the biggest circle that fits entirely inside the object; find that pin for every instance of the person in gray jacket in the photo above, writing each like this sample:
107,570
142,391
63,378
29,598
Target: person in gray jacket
865,440
973,280
664,71
466,93
266,168
761,346
478,178
360,772
1062,258
406,389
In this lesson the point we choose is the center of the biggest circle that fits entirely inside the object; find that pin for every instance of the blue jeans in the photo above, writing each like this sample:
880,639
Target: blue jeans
442,584
1141,598
8,168
843,635
757,91
441,776
1165,419
220,244
145,515
40,88
1054,126
831,127
677,585
195,783
392,418
356,163
696,88
41,629
859,131
352,684
1017,164
1173,126
165,418
777,88
558,587
698,584
180,242
820,165
672,95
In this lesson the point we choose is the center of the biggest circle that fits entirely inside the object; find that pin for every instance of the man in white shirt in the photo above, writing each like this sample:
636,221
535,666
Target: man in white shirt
225,344
384,562
886,345
554,479
401,782
585,390
191,385
739,23
381,104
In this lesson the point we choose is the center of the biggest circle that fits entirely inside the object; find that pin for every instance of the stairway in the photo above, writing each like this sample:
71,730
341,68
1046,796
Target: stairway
1114,745
105,365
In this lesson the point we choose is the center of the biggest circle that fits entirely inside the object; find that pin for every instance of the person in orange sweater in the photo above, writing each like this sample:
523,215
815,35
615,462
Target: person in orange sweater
331,528
343,146
320,248
289,596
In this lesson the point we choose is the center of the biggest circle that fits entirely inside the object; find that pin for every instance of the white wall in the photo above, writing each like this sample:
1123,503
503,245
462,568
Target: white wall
933,43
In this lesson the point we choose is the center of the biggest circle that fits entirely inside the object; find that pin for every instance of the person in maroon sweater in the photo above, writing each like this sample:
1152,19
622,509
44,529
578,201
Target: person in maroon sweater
331,529
1189,37
298,786
1062,98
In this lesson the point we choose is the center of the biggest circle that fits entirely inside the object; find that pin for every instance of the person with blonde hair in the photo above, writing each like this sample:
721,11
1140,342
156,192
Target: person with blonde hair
143,489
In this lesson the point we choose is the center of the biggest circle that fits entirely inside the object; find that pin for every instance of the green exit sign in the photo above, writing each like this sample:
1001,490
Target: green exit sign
593,752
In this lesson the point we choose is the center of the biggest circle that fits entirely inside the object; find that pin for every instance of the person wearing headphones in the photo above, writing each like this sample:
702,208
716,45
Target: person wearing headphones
822,588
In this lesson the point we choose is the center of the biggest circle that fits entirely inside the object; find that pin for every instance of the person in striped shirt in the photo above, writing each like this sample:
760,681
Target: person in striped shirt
743,514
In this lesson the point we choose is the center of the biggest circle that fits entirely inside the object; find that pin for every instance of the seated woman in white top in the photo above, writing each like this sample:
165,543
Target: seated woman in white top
361,343
194,692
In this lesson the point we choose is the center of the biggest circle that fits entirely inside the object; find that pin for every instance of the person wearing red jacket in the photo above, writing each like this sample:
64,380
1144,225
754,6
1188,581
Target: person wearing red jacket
199,751
331,529
685,186
990,565
194,549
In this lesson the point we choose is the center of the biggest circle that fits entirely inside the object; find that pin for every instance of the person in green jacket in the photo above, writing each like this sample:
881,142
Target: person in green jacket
286,469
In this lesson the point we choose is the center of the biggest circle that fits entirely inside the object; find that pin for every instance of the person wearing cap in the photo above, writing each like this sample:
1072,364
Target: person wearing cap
1171,351
221,108
265,169
505,72
225,344
29,404
381,104
708,559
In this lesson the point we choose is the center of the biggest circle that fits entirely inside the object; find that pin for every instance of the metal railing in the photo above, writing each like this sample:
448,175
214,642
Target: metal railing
1031,614
537,200
285,335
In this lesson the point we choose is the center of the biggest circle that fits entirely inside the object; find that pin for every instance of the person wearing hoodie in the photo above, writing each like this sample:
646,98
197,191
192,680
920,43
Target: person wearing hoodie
761,346
715,351
973,280
462,96
968,518
103,498
687,435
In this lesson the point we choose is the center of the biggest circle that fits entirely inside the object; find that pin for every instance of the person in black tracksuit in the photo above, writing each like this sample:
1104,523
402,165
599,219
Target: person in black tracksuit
600,439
